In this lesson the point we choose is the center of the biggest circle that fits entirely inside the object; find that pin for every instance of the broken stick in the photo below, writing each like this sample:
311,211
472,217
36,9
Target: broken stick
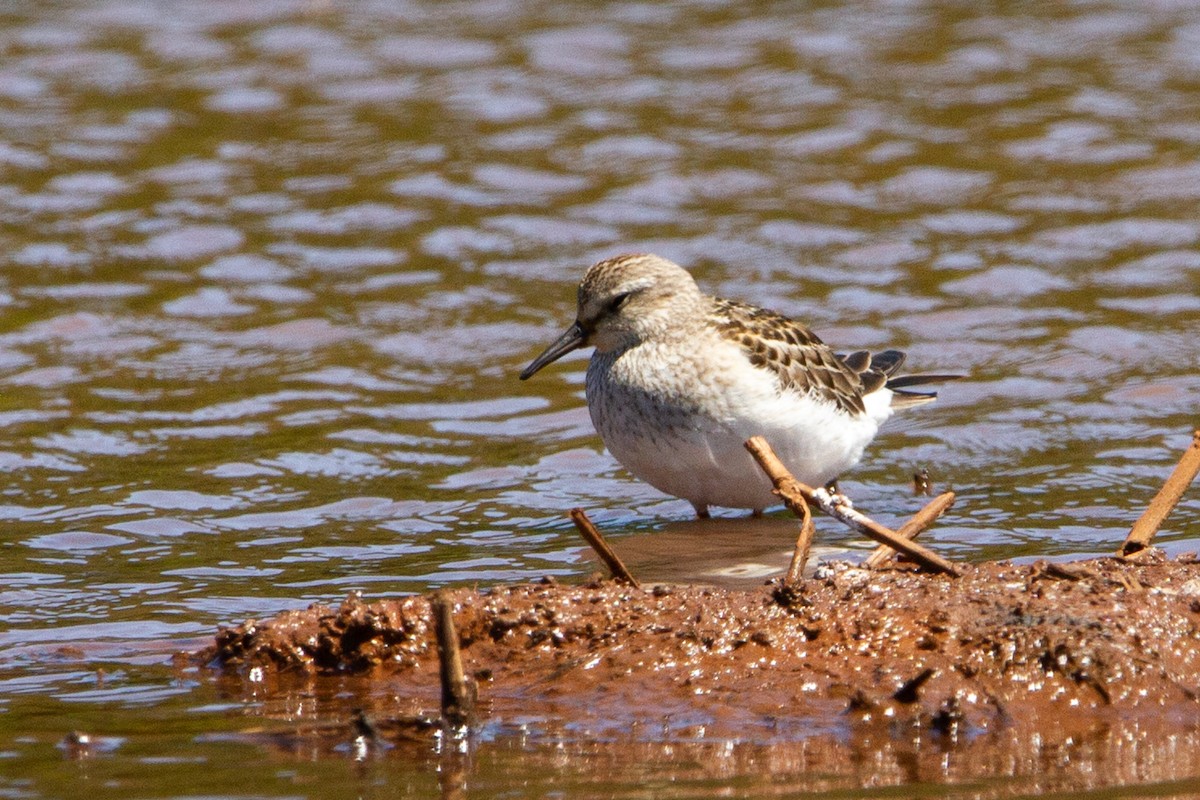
458,699
803,546
794,494
1168,497
592,536
909,530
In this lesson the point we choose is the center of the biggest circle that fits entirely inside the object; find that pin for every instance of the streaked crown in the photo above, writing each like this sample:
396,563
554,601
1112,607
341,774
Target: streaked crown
633,297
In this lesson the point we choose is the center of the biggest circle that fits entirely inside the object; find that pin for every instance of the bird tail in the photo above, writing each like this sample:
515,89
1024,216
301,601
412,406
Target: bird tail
880,370
902,398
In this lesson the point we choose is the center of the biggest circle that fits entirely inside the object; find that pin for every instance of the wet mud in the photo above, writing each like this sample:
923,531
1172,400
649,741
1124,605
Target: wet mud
1015,660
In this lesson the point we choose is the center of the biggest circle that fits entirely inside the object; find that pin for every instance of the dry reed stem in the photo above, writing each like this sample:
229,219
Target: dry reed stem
795,494
458,701
909,530
592,536
803,546
1168,497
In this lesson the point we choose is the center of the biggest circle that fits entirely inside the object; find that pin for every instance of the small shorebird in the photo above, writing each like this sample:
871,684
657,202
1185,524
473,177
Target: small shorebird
680,380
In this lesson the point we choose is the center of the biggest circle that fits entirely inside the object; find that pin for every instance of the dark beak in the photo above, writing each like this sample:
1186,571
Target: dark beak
573,339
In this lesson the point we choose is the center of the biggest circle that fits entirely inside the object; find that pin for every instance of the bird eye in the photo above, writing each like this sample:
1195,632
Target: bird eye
618,301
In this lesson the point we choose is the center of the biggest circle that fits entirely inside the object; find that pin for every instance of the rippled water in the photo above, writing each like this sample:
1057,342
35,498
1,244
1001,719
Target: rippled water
270,270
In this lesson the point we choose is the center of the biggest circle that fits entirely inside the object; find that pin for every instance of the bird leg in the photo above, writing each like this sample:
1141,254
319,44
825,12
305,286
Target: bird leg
836,494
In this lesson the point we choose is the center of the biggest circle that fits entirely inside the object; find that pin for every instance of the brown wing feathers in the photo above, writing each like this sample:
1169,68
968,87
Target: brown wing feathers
803,362
791,351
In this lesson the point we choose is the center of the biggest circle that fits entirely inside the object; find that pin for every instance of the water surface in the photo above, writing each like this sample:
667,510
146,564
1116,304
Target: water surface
269,272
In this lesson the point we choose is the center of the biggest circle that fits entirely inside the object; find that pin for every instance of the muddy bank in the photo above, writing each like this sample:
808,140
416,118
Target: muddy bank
1022,648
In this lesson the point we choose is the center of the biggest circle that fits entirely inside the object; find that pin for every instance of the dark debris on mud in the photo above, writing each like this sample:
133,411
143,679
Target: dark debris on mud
1017,646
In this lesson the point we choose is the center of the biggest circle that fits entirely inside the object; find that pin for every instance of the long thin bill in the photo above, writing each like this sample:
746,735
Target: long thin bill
573,339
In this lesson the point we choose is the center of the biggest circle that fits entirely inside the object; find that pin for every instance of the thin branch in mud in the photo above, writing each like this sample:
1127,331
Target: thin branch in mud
1061,572
794,494
908,693
592,536
1168,497
909,530
803,546
458,699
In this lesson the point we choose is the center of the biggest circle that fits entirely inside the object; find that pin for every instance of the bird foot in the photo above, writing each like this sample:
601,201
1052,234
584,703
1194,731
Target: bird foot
836,496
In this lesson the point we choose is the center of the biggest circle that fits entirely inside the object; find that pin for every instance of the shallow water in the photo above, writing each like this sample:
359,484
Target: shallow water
270,270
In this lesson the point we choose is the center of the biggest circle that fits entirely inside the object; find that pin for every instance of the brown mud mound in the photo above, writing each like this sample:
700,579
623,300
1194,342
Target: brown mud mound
1020,648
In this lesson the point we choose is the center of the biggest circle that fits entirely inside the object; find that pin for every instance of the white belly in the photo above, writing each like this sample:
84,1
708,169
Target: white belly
681,425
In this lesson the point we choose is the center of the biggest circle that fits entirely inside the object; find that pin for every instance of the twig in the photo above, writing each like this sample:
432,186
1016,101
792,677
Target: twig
909,692
1061,572
909,530
592,536
803,546
1168,496
458,701
795,494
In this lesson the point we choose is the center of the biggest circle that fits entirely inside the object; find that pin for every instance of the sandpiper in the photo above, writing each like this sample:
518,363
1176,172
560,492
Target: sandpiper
680,380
